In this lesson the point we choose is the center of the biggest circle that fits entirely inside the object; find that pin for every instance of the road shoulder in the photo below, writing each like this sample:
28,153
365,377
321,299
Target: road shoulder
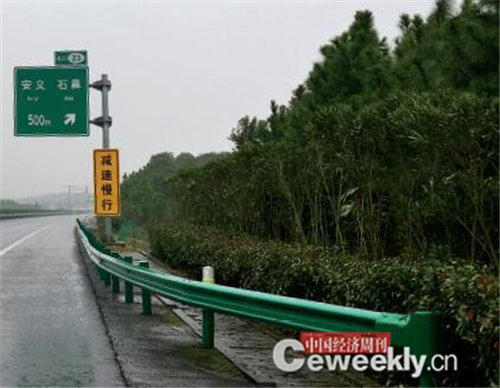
158,350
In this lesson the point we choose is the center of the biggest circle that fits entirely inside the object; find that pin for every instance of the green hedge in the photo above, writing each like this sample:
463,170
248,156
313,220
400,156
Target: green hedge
467,294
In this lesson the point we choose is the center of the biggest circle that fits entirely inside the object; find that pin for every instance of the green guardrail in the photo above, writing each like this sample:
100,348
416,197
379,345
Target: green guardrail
419,330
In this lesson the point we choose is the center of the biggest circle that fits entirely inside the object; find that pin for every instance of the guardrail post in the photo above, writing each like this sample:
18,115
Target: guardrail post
146,294
115,284
421,333
115,280
208,329
106,277
129,288
207,338
427,379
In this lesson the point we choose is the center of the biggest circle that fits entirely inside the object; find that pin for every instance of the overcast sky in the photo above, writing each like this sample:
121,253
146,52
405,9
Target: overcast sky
182,73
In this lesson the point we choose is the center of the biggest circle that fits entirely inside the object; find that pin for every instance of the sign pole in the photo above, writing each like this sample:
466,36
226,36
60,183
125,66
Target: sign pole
105,141
104,85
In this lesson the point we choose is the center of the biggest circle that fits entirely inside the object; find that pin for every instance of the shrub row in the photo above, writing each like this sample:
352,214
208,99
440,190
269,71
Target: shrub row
466,294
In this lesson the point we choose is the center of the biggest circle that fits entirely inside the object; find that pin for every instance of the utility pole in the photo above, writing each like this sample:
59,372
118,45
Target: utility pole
105,121
87,199
69,197
71,193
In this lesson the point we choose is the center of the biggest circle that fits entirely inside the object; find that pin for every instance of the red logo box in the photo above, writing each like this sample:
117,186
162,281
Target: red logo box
345,343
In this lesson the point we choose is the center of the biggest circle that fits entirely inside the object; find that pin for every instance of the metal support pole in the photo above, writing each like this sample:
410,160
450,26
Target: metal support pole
104,85
208,325
146,294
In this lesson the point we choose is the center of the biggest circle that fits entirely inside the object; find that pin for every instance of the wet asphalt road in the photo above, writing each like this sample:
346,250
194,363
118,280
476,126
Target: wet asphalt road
51,332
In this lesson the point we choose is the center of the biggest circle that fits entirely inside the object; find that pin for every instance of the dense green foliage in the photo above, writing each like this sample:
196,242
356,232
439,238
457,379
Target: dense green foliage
466,294
378,151
143,197
407,172
365,188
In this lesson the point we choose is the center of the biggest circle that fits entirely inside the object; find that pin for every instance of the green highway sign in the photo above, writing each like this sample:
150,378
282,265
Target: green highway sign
51,101
71,58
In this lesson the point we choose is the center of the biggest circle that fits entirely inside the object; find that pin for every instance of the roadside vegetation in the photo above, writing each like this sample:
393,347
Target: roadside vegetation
13,209
7,205
376,186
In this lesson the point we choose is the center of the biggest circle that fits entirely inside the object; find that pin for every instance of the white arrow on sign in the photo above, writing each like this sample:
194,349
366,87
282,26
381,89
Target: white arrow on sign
69,118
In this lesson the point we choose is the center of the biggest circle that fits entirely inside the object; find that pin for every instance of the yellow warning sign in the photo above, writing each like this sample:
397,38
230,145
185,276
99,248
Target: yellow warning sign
106,183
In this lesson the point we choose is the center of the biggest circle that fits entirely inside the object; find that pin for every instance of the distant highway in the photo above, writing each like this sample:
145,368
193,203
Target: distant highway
21,213
51,333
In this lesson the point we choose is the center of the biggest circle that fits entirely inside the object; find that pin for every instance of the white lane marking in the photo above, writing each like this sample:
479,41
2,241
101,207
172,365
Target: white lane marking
13,245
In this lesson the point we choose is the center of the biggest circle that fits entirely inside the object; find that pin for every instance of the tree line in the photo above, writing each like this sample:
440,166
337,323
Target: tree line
379,150
376,186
